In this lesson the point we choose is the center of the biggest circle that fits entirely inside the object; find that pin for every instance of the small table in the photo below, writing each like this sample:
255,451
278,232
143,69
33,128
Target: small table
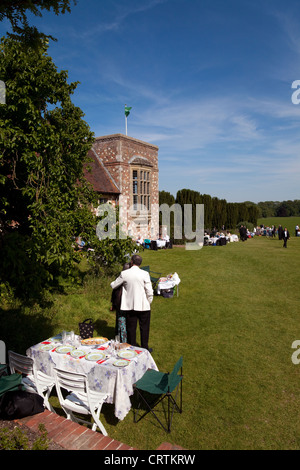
103,376
161,243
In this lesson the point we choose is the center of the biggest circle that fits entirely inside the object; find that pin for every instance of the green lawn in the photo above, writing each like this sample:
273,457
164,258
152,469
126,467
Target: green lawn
234,321
288,222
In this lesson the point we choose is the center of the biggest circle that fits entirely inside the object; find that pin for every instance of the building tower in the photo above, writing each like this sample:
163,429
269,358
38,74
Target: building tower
124,171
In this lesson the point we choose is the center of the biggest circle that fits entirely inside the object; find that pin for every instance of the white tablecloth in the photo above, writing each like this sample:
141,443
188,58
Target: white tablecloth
117,382
165,285
161,243
168,283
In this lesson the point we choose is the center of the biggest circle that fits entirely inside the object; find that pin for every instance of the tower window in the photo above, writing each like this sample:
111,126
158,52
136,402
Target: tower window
141,189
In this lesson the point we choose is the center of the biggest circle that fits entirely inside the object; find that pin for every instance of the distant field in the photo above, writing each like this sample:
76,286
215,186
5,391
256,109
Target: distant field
288,222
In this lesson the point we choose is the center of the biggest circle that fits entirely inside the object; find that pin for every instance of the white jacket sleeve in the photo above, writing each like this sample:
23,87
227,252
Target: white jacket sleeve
118,282
149,289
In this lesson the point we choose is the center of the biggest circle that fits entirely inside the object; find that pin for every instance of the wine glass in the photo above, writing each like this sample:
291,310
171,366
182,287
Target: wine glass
64,337
117,343
111,348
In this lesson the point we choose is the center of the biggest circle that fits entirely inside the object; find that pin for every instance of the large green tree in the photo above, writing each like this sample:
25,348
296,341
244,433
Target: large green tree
44,197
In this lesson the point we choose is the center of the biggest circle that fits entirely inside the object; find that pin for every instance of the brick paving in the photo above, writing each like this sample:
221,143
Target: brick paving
70,435
73,436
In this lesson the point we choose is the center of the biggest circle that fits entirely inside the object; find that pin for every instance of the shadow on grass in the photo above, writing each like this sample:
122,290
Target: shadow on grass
108,413
20,330
29,320
105,330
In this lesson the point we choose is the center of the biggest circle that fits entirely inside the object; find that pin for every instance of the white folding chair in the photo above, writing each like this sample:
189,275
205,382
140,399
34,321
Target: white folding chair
33,380
3,365
81,400
2,352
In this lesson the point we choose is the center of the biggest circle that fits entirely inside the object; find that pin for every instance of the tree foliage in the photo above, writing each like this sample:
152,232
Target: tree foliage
218,213
16,11
279,209
45,199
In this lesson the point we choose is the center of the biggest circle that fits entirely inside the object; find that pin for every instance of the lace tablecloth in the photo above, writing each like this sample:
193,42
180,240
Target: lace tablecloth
117,382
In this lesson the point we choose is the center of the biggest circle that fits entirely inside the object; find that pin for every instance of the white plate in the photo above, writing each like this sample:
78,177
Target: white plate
95,356
121,363
55,339
127,354
46,347
64,349
77,353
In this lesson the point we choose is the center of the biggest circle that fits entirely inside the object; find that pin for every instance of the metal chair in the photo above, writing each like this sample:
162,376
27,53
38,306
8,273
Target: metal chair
154,276
162,386
33,380
81,400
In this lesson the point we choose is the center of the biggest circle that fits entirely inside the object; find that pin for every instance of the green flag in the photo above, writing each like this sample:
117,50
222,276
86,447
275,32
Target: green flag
127,110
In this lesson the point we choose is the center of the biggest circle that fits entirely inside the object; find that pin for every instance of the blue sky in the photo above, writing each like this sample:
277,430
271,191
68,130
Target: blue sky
209,82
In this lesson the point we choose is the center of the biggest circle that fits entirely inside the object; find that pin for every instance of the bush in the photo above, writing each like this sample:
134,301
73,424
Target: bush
16,439
248,225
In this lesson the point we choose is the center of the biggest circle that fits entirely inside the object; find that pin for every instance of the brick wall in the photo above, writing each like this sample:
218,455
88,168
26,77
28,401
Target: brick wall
121,154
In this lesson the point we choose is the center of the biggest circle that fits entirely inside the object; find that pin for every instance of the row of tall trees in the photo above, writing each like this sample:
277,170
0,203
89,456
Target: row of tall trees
218,213
279,209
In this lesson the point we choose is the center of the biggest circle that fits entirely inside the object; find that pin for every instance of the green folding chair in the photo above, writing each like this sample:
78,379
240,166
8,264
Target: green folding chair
162,386
154,276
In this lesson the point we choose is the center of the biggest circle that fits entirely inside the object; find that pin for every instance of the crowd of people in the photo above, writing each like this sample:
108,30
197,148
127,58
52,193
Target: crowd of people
162,241
279,232
272,232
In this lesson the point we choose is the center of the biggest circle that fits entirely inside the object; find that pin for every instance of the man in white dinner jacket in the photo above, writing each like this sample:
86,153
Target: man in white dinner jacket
137,295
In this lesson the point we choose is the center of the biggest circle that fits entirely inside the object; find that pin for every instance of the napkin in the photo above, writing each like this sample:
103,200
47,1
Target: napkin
102,360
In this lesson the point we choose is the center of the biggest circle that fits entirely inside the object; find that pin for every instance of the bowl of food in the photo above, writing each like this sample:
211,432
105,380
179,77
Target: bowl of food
94,341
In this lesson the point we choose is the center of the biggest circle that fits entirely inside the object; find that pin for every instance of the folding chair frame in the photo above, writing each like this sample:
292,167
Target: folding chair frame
41,383
154,279
154,403
86,401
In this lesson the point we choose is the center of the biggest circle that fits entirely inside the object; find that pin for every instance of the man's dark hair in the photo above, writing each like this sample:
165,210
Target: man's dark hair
136,260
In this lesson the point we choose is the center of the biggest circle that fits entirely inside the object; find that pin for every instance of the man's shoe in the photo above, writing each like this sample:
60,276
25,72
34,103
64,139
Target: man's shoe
150,350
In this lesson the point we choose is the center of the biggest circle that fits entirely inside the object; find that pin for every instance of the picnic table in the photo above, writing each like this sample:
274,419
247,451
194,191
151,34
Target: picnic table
167,283
107,371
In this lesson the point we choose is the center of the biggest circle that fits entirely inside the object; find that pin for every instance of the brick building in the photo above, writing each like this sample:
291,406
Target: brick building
124,171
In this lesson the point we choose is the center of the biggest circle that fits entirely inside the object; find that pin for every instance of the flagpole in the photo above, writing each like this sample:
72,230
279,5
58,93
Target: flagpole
127,112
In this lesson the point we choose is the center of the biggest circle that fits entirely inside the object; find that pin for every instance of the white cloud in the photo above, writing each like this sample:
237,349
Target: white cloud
123,11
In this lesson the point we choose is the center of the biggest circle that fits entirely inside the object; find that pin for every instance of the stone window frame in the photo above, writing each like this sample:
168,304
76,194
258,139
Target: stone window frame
140,187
